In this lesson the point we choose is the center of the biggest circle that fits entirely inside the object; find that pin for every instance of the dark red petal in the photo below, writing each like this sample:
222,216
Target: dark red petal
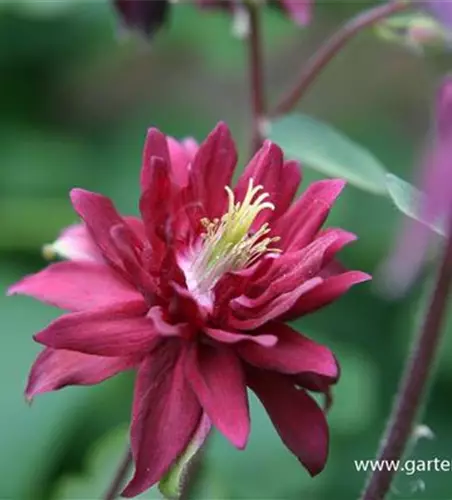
342,239
211,170
299,421
291,269
76,286
100,216
318,383
216,376
187,306
290,181
155,204
290,277
111,331
156,146
57,368
163,326
265,168
330,290
165,416
233,337
293,353
253,319
305,217
130,253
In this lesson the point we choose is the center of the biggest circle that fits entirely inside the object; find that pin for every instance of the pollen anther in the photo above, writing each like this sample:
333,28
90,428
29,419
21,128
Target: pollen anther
228,244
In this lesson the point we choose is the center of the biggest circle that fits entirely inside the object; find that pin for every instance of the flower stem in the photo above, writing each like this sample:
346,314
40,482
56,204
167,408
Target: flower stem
256,75
119,478
330,48
414,380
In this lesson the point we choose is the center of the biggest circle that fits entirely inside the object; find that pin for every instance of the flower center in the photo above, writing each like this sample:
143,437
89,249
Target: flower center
228,244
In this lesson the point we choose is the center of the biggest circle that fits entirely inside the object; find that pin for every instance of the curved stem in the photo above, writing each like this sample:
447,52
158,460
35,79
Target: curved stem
332,46
119,478
256,75
414,379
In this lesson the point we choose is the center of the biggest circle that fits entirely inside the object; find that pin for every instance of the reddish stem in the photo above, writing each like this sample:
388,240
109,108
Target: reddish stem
330,48
414,380
256,75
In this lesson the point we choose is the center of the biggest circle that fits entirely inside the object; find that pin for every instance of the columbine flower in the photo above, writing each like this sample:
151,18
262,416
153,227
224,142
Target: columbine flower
194,296
403,266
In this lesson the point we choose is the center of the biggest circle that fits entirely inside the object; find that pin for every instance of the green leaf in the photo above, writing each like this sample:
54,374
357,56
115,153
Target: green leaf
408,200
323,148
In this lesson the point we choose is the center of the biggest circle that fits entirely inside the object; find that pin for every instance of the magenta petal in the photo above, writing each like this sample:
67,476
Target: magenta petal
342,239
233,338
298,226
76,286
331,289
154,204
165,416
181,154
129,251
265,168
299,421
211,171
191,147
57,368
216,376
111,331
292,354
162,326
155,146
289,183
274,309
100,216
74,243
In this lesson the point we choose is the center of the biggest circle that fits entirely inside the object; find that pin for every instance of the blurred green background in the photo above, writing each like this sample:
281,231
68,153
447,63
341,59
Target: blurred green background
75,102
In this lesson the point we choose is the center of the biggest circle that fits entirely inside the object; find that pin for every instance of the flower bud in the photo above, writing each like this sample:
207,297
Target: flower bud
144,16
416,31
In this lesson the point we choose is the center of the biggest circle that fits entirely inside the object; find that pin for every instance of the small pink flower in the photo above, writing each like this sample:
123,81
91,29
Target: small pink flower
194,295
435,182
300,11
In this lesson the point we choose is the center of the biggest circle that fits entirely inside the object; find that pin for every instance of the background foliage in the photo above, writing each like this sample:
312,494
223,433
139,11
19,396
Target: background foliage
75,104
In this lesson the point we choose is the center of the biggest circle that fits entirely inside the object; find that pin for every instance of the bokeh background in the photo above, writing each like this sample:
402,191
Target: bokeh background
75,102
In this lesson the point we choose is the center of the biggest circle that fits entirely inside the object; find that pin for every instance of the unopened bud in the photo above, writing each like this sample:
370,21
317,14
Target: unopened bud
416,31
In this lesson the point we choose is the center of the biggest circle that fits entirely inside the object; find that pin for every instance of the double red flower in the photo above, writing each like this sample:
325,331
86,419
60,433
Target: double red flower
194,296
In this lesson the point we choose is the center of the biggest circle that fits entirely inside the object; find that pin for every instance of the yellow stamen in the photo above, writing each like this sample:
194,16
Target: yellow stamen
228,244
